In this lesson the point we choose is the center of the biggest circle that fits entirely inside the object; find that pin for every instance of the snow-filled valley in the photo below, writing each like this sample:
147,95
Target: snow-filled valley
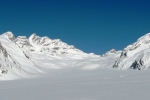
26,58
39,68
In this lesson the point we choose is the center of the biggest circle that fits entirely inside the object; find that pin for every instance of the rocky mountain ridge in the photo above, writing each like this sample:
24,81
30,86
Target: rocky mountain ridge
42,44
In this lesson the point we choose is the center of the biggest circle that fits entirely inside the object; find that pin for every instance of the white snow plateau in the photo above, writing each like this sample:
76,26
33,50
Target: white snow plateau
40,68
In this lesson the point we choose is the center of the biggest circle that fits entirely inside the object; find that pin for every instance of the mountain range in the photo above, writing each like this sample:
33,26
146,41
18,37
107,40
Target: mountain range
22,57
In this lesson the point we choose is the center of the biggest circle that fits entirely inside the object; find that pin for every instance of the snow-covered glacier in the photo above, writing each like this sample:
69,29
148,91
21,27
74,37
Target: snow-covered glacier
49,69
23,57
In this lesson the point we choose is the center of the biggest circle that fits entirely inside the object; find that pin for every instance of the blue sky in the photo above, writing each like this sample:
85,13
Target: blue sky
90,25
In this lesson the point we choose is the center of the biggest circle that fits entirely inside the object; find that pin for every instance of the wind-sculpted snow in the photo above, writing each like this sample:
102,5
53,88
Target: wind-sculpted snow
136,55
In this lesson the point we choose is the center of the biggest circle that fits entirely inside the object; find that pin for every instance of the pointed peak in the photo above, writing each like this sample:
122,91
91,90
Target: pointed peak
33,35
112,51
9,32
10,35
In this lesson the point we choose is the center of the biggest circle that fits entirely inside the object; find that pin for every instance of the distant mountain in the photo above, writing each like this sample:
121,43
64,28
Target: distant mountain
24,57
44,45
111,52
17,54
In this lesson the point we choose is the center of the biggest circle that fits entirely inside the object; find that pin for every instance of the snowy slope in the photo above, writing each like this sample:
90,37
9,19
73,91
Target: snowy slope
136,55
62,72
14,60
24,57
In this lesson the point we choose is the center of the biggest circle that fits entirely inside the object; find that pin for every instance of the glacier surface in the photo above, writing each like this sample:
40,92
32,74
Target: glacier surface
40,68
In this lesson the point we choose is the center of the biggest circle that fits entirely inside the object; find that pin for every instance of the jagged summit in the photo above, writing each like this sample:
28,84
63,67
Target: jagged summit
42,44
9,35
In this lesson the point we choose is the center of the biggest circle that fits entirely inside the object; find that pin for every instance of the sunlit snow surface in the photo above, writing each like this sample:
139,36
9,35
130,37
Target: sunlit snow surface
44,69
18,61
80,85
77,77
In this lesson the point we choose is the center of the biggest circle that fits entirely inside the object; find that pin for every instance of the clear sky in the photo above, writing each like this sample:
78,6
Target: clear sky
90,25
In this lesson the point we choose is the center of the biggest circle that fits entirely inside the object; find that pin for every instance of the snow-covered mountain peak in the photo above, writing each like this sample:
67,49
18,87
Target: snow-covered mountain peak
141,44
30,55
9,35
46,45
36,40
22,56
22,41
112,51
134,55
